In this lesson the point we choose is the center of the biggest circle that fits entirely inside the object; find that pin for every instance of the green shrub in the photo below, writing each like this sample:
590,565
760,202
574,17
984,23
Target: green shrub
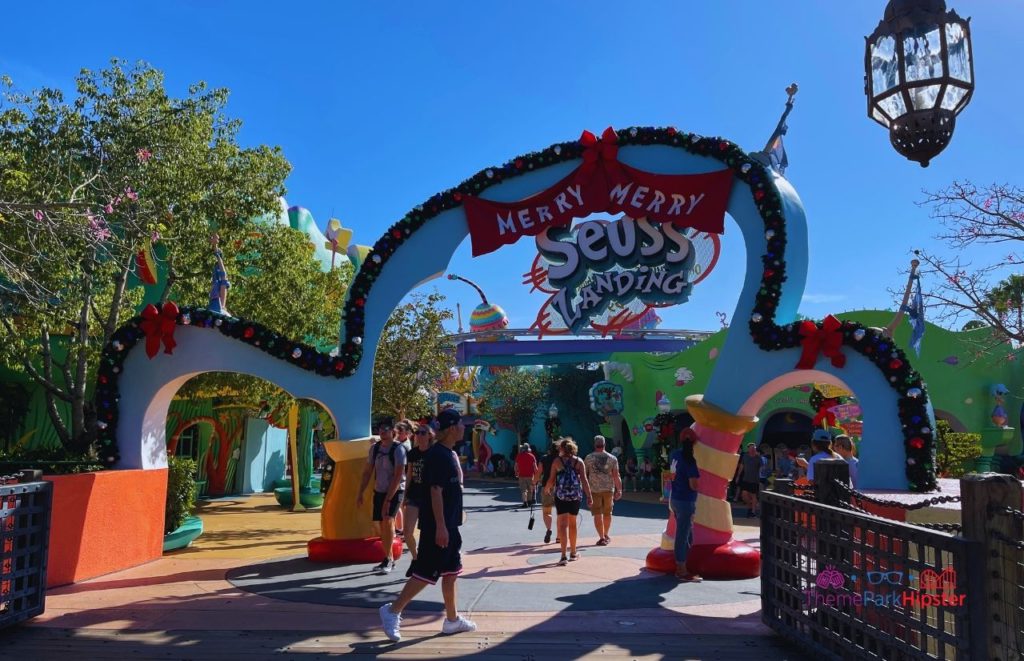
181,492
52,461
955,452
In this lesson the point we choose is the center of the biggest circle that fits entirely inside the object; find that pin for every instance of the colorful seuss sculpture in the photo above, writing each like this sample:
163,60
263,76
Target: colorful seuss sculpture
220,284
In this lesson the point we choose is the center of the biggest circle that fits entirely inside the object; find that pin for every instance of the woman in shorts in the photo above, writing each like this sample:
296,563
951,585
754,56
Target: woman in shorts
568,483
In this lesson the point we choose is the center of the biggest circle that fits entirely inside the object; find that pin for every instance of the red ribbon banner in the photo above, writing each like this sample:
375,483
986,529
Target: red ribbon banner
158,326
826,340
602,184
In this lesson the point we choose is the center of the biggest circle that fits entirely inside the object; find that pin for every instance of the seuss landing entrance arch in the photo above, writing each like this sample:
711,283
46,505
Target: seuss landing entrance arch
132,394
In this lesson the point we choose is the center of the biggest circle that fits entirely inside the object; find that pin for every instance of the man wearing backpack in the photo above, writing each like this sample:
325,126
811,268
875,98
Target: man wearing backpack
569,483
386,461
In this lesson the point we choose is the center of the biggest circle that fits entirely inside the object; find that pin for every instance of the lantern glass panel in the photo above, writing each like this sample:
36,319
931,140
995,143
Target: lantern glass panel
959,55
893,106
884,65
880,116
925,97
922,53
953,97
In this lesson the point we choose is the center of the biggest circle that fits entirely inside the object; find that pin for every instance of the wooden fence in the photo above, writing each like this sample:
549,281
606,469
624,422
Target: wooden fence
846,584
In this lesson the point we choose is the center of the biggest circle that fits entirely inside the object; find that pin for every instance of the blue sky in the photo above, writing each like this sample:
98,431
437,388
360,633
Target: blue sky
380,105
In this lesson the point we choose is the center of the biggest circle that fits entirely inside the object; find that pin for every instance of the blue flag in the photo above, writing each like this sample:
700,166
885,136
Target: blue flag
915,315
777,153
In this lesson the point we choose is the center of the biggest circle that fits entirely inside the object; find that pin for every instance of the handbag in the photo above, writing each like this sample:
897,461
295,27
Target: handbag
529,526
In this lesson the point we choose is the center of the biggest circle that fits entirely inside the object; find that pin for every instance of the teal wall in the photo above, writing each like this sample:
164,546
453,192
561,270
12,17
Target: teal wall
264,456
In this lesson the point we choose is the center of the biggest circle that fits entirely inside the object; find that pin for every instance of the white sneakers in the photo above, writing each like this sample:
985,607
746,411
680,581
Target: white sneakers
391,623
458,625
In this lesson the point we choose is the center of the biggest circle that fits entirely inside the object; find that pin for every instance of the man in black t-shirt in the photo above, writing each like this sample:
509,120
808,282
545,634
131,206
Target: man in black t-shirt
547,500
440,544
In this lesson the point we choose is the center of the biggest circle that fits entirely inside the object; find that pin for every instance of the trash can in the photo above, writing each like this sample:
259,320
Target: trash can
24,544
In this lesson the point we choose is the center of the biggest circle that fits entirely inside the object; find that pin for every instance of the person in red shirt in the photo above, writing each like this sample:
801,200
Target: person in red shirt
526,467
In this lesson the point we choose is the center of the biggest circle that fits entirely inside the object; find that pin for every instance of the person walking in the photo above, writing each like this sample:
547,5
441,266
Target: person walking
386,463
844,448
541,475
568,482
439,554
683,503
526,468
748,474
417,496
605,486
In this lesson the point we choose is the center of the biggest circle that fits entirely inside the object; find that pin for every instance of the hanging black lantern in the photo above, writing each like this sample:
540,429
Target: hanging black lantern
919,75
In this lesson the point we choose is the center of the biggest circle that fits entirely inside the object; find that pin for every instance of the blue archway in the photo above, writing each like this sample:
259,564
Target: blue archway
766,210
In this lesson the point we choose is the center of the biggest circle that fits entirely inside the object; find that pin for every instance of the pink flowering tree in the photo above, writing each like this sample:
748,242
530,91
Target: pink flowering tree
87,182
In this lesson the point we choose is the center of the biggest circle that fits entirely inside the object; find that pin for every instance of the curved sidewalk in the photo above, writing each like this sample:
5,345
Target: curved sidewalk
247,575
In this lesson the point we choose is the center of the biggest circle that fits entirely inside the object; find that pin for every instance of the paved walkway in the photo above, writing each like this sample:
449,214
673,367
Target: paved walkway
245,589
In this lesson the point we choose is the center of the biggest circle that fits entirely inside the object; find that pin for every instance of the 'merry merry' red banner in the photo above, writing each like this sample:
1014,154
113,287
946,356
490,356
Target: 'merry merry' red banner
602,184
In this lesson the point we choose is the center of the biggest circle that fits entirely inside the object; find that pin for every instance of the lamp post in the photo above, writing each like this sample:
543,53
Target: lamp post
919,75
664,404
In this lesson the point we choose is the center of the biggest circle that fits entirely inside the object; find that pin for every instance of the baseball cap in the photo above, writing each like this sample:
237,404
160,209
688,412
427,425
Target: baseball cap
821,435
448,418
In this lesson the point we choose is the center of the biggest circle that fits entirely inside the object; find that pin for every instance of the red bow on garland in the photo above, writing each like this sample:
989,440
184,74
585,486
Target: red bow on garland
158,326
603,152
824,414
826,340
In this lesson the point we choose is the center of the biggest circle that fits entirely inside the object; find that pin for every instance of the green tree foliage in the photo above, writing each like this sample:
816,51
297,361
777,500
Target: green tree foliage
413,355
955,452
514,396
84,184
181,492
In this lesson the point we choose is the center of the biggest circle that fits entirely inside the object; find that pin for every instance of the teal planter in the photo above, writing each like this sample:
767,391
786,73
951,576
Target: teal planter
314,484
309,499
184,535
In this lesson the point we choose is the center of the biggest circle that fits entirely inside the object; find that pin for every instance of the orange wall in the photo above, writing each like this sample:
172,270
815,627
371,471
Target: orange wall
104,522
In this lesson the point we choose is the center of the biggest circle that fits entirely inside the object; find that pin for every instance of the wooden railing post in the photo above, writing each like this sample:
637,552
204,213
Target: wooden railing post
994,626
783,485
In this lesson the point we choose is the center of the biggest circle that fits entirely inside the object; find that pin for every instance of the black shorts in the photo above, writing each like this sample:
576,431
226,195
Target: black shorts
378,504
432,561
751,487
567,506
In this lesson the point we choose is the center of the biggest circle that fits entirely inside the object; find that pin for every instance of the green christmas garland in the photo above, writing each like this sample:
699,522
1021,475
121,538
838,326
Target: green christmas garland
890,360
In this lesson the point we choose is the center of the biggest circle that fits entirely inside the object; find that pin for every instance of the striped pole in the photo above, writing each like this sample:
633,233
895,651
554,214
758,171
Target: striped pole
714,554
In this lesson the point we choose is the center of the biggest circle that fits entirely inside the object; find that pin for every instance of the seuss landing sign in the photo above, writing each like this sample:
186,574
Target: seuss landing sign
602,184
600,263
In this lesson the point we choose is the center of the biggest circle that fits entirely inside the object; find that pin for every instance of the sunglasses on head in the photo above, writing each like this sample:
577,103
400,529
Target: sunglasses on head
422,431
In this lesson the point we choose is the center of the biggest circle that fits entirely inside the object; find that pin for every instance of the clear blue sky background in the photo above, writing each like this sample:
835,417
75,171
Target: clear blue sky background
380,105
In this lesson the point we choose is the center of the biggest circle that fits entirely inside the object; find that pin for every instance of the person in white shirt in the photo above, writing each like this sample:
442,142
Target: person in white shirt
821,441
844,447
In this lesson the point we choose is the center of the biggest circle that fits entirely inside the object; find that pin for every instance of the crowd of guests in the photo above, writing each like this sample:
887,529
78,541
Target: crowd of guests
758,466
417,480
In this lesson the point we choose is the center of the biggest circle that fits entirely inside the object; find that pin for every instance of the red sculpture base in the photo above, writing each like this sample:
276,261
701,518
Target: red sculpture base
729,561
351,551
